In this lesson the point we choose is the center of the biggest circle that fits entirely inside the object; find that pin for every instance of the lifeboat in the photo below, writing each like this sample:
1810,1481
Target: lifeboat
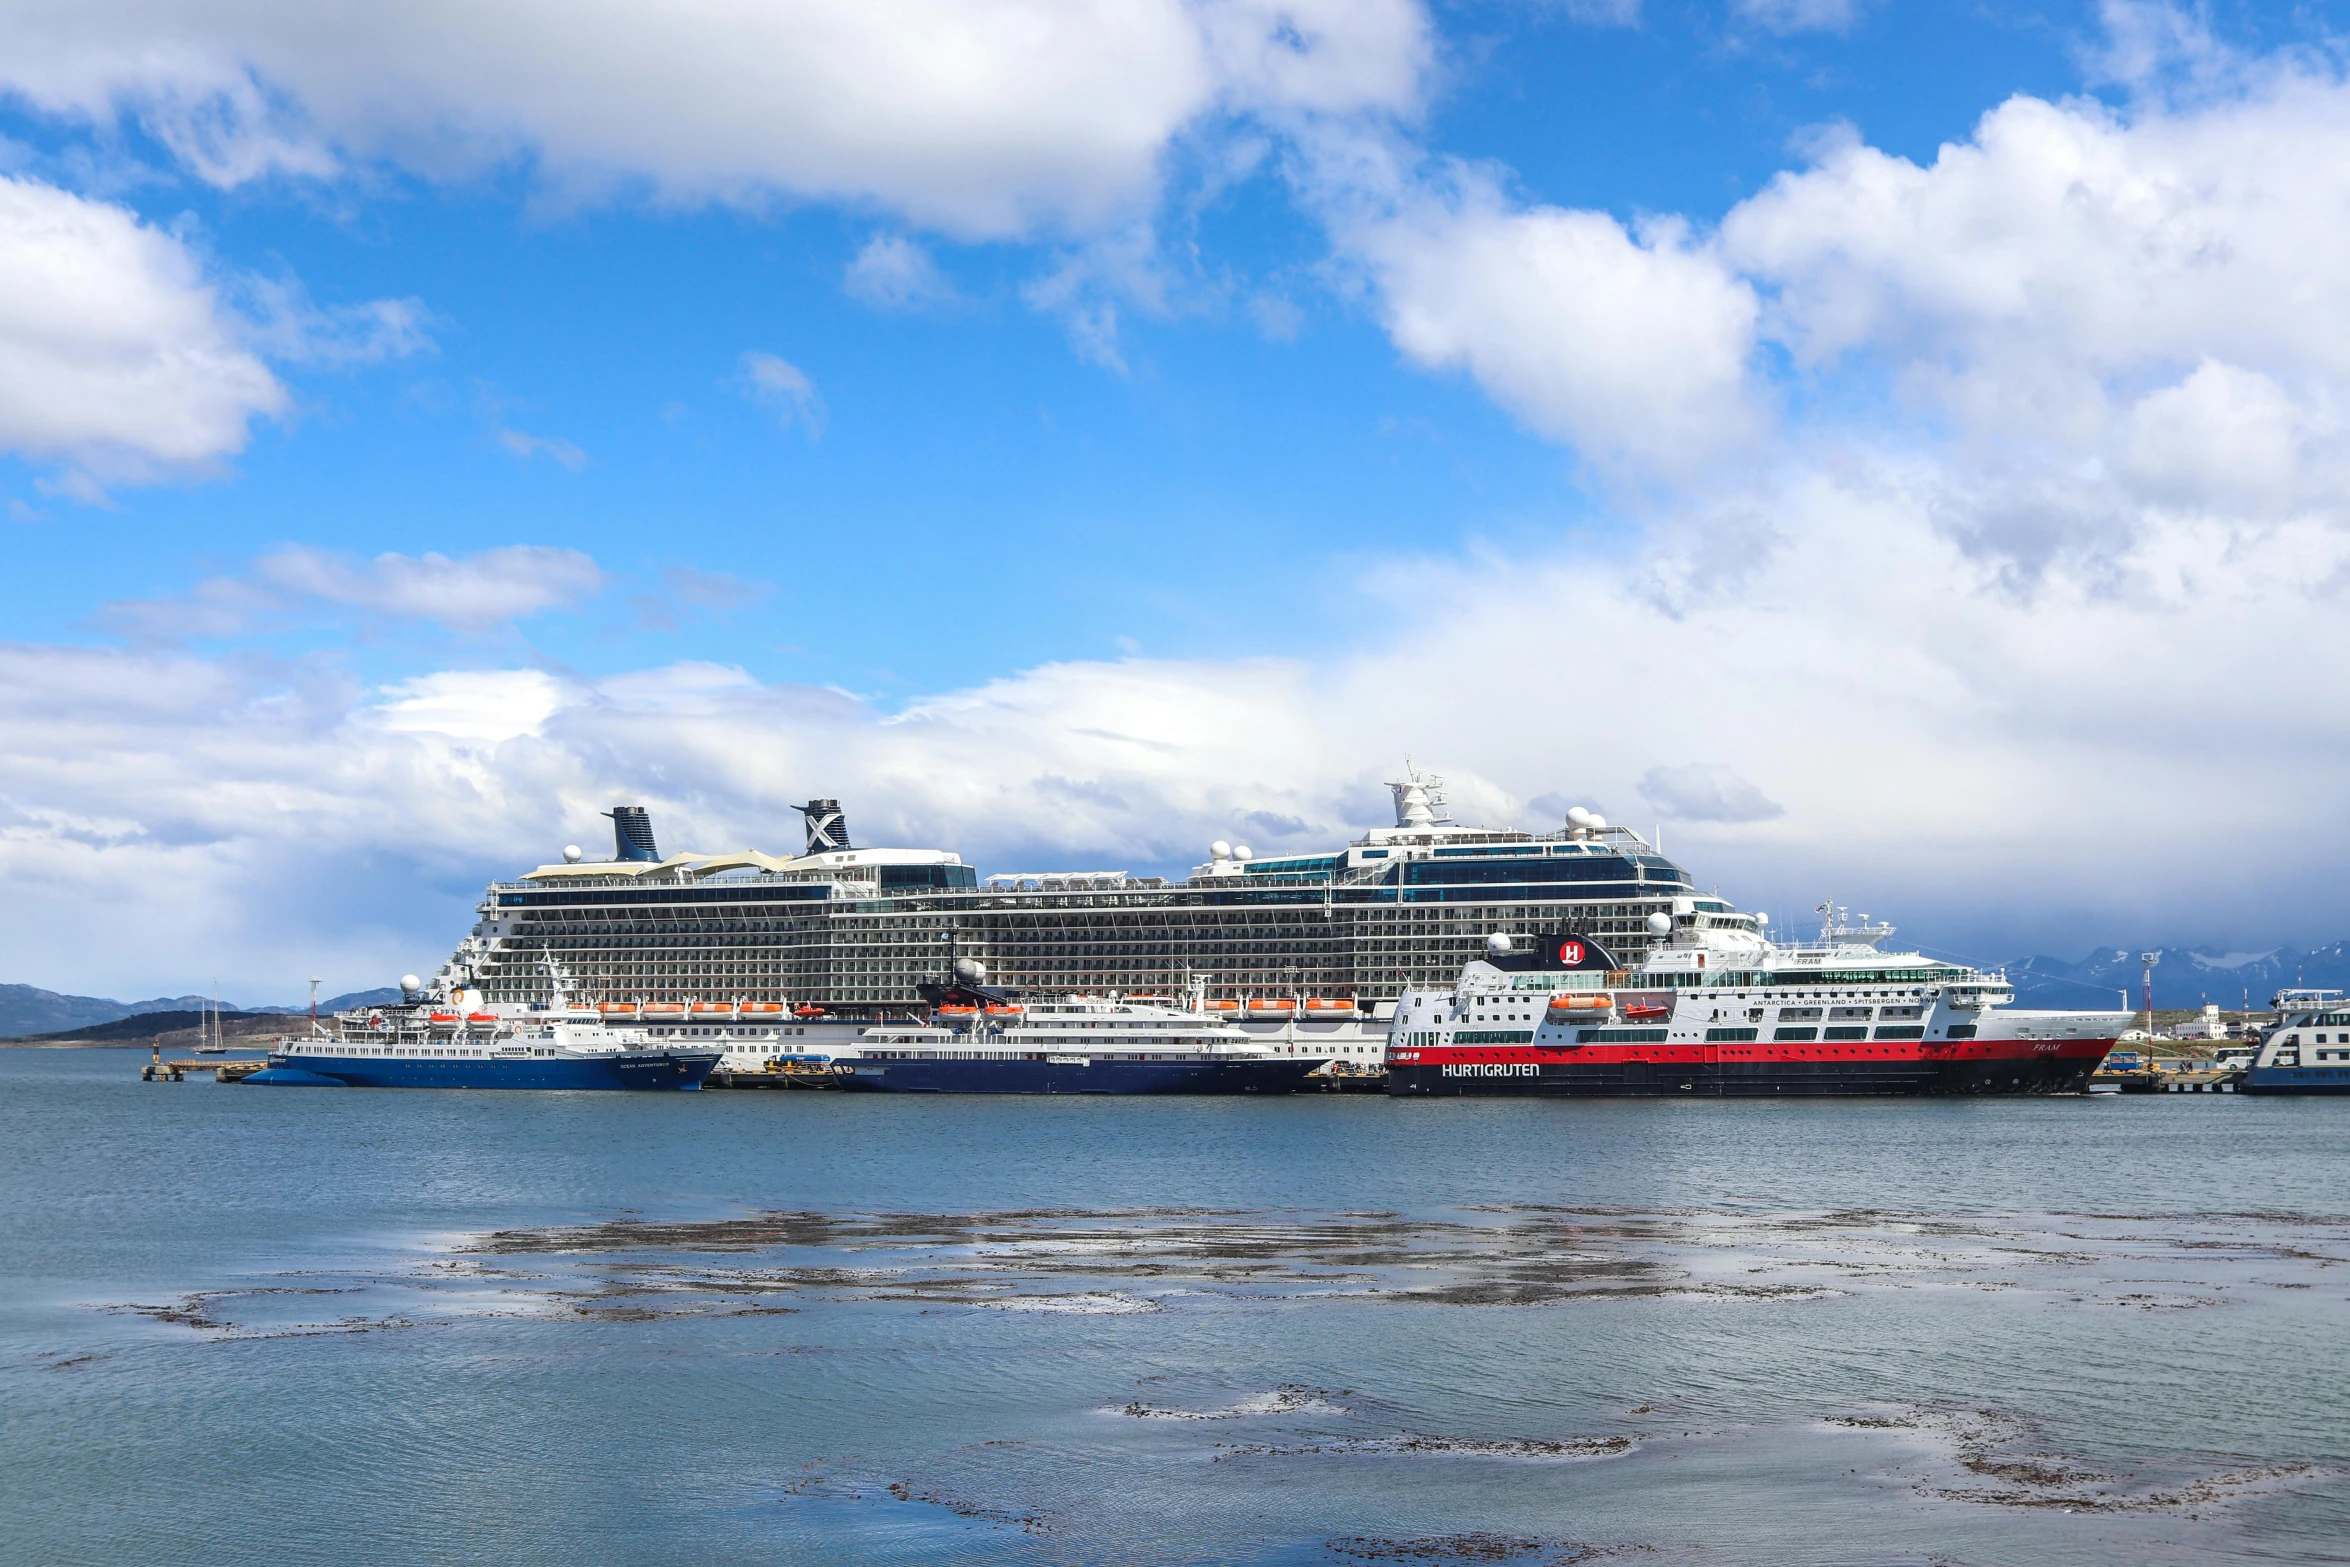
1223,1008
618,1009
956,1009
482,1019
1001,1011
760,1008
1571,1002
702,1009
1647,1010
443,1020
665,1011
1263,1008
1317,1007
808,1010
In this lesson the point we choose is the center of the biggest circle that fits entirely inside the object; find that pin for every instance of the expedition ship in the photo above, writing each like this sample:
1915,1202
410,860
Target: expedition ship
1306,951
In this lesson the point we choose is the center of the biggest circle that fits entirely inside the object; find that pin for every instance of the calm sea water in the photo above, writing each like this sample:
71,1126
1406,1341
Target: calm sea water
244,1325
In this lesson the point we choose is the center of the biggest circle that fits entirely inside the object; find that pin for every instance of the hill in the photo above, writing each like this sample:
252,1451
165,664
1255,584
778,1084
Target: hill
27,1011
2185,979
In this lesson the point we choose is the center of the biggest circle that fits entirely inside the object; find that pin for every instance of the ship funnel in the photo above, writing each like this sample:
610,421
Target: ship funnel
632,833
827,828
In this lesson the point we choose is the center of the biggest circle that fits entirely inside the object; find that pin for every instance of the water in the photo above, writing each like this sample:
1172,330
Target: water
340,1326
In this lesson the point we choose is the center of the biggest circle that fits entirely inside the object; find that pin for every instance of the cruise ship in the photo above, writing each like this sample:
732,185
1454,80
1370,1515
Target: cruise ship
1719,1008
1305,952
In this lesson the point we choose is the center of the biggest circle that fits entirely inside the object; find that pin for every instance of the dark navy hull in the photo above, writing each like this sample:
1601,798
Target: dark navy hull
1742,1079
640,1070
1094,1076
2295,1080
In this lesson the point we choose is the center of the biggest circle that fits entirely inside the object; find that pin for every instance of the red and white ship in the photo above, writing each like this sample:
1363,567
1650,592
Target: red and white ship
1719,1008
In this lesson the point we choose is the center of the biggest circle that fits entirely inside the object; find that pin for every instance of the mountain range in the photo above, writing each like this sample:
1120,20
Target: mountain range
25,1010
2184,978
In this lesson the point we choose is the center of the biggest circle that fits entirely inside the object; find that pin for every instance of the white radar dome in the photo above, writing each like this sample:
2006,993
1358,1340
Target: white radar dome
1241,851
1660,924
971,969
1220,849
1596,821
1498,943
411,983
571,854
1577,816
1760,918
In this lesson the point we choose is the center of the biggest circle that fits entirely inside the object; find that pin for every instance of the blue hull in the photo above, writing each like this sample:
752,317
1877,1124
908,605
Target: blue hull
1093,1077
644,1071
2295,1080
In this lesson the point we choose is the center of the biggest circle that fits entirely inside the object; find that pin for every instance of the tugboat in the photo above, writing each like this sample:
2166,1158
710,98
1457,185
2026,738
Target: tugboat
2308,1051
983,1039
1719,1009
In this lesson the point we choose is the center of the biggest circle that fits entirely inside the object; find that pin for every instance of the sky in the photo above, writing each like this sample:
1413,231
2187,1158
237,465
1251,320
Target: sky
1894,453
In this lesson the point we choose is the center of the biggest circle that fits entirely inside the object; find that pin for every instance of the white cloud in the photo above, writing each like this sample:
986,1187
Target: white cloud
1703,792
784,387
1799,16
1985,765
1631,347
894,273
117,358
981,117
471,593
526,446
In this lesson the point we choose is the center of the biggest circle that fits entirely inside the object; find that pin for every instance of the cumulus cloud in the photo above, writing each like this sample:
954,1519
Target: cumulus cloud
1630,345
469,593
1799,16
1936,743
117,357
894,273
983,119
524,445
784,387
1704,792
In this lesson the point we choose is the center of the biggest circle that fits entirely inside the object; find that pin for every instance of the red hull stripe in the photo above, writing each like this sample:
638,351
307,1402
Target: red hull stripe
1939,1052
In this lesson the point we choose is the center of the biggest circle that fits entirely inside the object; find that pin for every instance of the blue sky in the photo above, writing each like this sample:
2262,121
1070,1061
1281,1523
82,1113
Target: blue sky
1704,410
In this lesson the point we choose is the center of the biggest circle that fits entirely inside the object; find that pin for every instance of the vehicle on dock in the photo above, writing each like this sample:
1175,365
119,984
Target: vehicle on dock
982,1039
2308,1051
1717,1008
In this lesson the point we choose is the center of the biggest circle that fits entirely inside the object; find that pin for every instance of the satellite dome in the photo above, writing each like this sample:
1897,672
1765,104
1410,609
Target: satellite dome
1577,816
1220,849
1596,821
1498,943
1241,851
971,970
411,984
571,854
1660,924
1761,919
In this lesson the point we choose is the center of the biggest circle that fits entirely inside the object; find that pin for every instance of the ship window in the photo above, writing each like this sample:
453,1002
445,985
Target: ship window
1799,1036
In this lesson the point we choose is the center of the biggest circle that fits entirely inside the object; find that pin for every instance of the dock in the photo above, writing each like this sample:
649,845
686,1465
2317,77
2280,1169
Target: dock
789,1075
2142,1080
222,1068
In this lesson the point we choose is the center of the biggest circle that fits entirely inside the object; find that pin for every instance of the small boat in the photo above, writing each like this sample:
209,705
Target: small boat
1272,1009
760,1008
1317,1006
617,1009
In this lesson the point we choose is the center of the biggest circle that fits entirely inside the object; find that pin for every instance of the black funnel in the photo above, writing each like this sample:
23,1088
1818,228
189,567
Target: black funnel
632,833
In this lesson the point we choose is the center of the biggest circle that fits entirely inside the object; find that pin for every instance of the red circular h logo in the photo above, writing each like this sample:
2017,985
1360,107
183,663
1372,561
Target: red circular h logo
1570,952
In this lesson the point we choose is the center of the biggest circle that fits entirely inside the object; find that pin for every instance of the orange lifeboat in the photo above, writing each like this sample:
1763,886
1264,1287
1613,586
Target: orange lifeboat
808,1009
1223,1008
482,1019
760,1008
702,1009
1570,1003
1264,1008
1317,1007
955,1010
618,1009
665,1011
443,1020
1002,1011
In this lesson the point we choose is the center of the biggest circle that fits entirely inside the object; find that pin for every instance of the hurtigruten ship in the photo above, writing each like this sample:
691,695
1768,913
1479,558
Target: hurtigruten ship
1307,952
1718,1008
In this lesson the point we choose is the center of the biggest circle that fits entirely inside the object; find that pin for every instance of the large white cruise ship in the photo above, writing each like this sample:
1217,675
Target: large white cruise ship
1305,952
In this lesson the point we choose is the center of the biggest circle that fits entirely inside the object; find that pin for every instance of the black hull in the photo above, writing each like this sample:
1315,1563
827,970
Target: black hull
1739,1080
1102,1076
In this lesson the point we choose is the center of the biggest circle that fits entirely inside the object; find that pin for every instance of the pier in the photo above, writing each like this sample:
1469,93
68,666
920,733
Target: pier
222,1068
